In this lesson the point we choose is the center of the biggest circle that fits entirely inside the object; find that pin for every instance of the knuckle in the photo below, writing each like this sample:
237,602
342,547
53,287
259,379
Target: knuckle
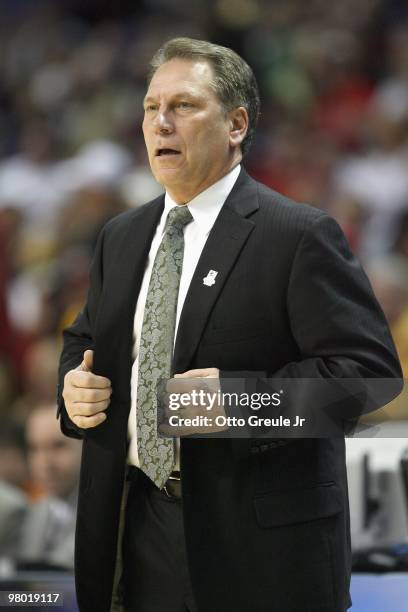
66,391
93,410
70,377
68,394
84,410
69,407
70,412
87,422
79,421
76,395
96,420
83,395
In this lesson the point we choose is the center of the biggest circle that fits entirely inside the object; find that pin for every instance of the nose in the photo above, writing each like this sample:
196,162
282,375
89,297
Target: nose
162,123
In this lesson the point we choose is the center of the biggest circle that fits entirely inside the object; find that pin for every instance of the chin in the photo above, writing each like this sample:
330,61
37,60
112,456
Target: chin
169,179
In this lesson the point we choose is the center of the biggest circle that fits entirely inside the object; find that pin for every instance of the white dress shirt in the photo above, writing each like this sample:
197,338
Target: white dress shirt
204,209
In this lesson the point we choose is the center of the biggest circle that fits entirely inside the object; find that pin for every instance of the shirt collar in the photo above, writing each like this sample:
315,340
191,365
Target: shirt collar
206,206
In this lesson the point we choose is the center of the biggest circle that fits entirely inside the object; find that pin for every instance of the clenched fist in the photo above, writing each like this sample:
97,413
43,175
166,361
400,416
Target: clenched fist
86,395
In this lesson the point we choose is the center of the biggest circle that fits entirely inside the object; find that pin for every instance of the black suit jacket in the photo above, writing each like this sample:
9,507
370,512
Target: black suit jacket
266,526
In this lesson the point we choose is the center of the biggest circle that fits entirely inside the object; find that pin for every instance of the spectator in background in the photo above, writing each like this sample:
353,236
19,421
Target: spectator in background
39,374
13,486
28,181
13,454
13,508
401,242
377,174
53,459
54,465
389,277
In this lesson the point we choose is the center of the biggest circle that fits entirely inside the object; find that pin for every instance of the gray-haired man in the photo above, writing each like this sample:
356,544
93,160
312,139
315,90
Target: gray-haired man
213,524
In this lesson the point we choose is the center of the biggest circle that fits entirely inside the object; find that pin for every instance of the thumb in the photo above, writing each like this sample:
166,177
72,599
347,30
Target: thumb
87,362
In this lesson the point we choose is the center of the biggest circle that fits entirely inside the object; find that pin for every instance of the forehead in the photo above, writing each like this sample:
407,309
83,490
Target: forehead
41,426
182,76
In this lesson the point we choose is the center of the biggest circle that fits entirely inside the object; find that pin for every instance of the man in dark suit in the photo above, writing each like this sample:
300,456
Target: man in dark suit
243,284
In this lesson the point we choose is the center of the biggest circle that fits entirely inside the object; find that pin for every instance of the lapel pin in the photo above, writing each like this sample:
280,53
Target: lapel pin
209,280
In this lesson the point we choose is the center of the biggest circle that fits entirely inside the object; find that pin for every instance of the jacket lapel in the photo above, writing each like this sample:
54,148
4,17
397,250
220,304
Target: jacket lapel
135,249
128,266
227,237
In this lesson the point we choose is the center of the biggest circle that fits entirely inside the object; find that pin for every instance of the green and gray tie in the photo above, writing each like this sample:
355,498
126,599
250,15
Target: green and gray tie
156,455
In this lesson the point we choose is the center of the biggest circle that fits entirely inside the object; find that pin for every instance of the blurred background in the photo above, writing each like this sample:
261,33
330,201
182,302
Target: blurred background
333,133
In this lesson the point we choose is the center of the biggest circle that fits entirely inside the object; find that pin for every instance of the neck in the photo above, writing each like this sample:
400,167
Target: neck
182,196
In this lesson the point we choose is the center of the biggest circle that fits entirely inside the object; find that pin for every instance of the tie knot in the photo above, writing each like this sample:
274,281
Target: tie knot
178,217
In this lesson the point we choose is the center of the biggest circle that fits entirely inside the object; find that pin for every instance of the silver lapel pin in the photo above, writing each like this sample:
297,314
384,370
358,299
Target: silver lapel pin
209,280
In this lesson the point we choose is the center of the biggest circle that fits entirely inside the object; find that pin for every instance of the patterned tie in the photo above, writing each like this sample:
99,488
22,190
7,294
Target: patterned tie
156,455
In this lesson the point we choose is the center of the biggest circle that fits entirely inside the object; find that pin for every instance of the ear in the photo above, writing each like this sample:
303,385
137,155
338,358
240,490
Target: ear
238,118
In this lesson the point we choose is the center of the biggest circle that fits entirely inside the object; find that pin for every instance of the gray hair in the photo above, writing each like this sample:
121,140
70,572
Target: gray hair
234,82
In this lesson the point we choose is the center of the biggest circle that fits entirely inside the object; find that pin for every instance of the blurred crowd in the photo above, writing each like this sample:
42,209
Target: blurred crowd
333,133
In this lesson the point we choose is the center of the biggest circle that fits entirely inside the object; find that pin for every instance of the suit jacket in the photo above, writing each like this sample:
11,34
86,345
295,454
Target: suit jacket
267,526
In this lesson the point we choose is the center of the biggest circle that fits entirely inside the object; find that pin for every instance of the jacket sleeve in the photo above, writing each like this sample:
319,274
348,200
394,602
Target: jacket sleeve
336,321
79,337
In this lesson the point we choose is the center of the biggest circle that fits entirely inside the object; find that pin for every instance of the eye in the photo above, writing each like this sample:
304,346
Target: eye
150,107
184,104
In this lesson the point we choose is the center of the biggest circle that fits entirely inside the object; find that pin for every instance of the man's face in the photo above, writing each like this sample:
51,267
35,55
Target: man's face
53,459
186,129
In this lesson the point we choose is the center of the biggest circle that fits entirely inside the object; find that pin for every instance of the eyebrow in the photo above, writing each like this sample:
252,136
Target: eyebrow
184,94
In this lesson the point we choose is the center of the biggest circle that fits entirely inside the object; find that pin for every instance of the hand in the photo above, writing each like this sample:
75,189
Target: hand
199,400
86,395
200,373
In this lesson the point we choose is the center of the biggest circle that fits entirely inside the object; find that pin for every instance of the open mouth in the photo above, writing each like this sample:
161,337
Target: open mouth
166,151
